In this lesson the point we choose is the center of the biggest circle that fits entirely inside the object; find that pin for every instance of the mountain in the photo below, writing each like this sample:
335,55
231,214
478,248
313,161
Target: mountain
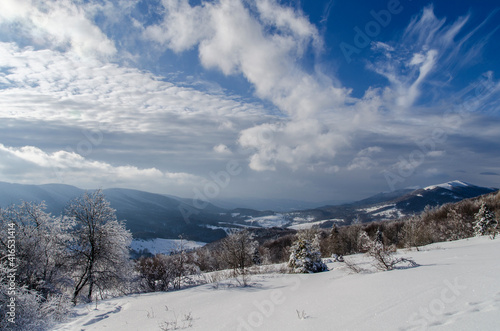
278,205
56,196
150,215
437,195
147,215
387,206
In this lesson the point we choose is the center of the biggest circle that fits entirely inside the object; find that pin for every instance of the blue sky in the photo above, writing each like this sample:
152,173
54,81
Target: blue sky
311,100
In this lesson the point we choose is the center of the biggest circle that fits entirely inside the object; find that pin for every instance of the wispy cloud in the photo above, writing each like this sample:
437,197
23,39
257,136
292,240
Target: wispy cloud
77,66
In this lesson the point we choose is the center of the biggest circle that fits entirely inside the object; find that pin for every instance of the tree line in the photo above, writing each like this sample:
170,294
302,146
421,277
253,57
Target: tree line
83,254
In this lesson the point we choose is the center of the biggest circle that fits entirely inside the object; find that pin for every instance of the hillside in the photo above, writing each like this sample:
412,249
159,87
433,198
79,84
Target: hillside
393,205
454,288
150,215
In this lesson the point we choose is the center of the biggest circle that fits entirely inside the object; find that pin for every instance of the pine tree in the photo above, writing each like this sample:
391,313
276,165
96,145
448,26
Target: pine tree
486,224
305,256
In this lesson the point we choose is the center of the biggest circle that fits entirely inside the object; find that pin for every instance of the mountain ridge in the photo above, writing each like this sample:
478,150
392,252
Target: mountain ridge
152,215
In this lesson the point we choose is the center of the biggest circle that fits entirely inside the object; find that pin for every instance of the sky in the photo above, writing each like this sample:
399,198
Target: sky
308,100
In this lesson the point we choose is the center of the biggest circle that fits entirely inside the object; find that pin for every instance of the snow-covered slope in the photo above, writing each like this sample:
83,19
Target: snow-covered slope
164,246
449,185
455,288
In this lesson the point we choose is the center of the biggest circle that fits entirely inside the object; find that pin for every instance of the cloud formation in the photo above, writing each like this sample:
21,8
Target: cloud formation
88,68
58,24
24,163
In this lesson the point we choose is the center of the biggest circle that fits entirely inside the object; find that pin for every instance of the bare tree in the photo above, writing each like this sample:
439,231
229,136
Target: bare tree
237,250
99,246
155,273
182,264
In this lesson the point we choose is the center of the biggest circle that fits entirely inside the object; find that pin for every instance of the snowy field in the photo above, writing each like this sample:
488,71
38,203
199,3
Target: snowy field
455,287
269,221
164,246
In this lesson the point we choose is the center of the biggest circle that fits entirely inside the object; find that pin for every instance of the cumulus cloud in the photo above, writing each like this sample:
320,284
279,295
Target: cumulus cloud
364,160
60,24
237,38
264,41
77,75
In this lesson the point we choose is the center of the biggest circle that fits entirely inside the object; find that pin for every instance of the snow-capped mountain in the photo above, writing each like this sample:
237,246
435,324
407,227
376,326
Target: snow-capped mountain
150,215
440,194
386,206
450,185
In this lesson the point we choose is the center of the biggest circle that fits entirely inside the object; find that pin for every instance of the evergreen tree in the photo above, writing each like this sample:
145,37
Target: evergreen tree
337,246
305,256
486,224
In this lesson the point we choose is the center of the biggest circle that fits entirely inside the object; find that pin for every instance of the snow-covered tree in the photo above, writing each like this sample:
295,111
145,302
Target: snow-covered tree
238,250
99,246
486,223
181,264
155,273
336,243
32,246
305,254
41,255
383,254
365,243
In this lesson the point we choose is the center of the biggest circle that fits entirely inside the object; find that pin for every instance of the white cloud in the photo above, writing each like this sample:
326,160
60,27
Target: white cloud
30,164
364,159
60,24
237,40
180,29
222,149
46,85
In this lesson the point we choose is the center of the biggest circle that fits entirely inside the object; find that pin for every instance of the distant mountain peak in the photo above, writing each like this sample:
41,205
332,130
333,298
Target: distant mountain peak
449,185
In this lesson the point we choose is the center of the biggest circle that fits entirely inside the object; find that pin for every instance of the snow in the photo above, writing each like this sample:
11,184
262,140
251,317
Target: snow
213,227
269,221
163,246
389,213
298,219
374,208
449,185
304,226
455,288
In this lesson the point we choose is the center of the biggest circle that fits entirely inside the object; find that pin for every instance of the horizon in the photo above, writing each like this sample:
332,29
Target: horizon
259,99
256,202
